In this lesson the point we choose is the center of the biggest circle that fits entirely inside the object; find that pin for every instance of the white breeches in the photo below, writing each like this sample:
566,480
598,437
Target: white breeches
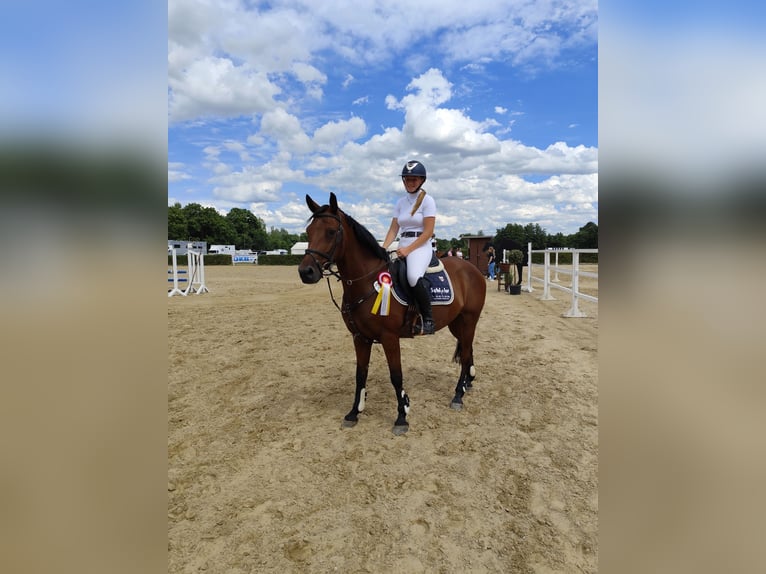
417,261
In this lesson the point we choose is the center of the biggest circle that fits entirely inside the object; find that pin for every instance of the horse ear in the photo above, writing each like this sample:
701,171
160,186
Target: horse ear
333,202
313,205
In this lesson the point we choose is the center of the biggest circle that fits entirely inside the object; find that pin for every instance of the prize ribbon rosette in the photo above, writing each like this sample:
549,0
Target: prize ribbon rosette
383,300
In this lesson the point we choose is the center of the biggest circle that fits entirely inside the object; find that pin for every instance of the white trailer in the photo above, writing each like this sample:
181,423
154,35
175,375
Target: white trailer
227,249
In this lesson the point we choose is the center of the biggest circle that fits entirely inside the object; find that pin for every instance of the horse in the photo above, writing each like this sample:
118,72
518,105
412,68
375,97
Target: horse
340,246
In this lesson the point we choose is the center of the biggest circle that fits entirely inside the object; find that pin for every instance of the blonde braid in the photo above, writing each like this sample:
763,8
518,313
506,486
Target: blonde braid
418,201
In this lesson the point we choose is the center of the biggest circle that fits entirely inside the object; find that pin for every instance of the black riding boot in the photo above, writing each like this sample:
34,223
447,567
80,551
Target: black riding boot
423,299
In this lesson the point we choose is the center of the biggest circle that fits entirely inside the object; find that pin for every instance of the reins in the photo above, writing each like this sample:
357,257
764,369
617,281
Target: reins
350,282
327,267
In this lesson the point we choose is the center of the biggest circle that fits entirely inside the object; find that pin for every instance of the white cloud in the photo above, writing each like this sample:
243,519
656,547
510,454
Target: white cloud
308,74
333,134
286,130
312,79
439,129
273,64
176,172
248,185
216,87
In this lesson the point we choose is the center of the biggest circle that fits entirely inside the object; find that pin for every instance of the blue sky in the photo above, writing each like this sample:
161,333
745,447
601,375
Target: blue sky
268,101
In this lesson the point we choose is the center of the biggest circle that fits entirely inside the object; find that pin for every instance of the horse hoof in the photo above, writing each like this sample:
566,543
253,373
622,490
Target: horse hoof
348,424
399,430
456,406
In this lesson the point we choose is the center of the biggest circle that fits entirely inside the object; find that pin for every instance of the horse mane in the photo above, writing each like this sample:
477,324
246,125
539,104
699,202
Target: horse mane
362,234
366,238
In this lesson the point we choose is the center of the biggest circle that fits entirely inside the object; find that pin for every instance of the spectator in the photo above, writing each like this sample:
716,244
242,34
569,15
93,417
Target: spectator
491,264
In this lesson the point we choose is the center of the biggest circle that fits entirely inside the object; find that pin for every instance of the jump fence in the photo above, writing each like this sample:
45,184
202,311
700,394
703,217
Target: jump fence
575,272
193,275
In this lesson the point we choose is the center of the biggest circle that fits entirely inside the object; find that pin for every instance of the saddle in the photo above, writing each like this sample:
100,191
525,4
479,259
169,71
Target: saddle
440,285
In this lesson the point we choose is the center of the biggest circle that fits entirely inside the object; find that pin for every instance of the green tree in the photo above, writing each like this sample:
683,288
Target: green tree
586,237
206,224
524,234
535,234
250,229
281,239
177,227
558,240
512,231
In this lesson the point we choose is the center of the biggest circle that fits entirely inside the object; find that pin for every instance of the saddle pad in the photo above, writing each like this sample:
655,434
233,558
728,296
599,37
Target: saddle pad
441,289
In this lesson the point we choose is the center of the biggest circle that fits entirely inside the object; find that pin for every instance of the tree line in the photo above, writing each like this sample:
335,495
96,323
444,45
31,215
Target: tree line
246,230
585,238
239,227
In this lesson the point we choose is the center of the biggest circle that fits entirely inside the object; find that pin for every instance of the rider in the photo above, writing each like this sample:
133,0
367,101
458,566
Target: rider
415,215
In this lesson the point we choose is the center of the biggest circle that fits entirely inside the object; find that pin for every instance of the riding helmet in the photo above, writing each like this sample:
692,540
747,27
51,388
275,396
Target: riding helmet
414,168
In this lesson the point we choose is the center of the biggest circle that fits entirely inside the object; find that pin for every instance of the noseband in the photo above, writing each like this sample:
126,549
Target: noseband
326,267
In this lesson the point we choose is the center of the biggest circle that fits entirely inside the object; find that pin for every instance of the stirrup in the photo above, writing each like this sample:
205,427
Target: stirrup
419,326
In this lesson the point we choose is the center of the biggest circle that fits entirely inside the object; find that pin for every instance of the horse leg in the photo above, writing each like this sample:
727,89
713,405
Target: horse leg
363,347
394,359
464,333
470,372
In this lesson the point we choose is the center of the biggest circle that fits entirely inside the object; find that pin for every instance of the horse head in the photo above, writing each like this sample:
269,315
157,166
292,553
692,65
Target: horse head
325,234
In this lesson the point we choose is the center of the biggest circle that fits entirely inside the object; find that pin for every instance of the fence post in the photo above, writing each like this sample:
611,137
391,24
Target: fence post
574,310
547,278
528,288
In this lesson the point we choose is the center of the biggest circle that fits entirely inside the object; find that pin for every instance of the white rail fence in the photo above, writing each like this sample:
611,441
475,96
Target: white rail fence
575,272
193,275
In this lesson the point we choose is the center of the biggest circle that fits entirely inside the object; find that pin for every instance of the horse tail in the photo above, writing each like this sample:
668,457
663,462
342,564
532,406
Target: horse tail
456,356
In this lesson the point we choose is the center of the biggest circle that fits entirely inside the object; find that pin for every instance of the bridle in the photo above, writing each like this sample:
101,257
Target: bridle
329,261
327,267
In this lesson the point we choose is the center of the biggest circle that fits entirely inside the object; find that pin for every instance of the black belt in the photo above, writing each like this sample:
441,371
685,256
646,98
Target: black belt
412,234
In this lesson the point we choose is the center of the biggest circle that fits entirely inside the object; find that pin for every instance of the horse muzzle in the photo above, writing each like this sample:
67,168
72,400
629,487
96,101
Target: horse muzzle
310,273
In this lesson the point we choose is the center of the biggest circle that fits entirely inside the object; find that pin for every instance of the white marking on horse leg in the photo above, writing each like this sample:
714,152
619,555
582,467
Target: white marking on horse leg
362,397
406,403
472,371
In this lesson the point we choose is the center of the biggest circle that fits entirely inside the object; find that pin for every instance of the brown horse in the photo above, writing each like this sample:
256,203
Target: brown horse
340,246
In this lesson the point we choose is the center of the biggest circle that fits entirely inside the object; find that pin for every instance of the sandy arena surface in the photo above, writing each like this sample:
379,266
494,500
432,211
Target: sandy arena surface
261,477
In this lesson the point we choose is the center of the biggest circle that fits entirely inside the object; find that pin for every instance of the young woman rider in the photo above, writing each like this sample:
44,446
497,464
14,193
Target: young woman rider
415,217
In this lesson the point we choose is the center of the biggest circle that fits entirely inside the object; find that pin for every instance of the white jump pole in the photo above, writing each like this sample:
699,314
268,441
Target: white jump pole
195,274
175,290
190,264
199,268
